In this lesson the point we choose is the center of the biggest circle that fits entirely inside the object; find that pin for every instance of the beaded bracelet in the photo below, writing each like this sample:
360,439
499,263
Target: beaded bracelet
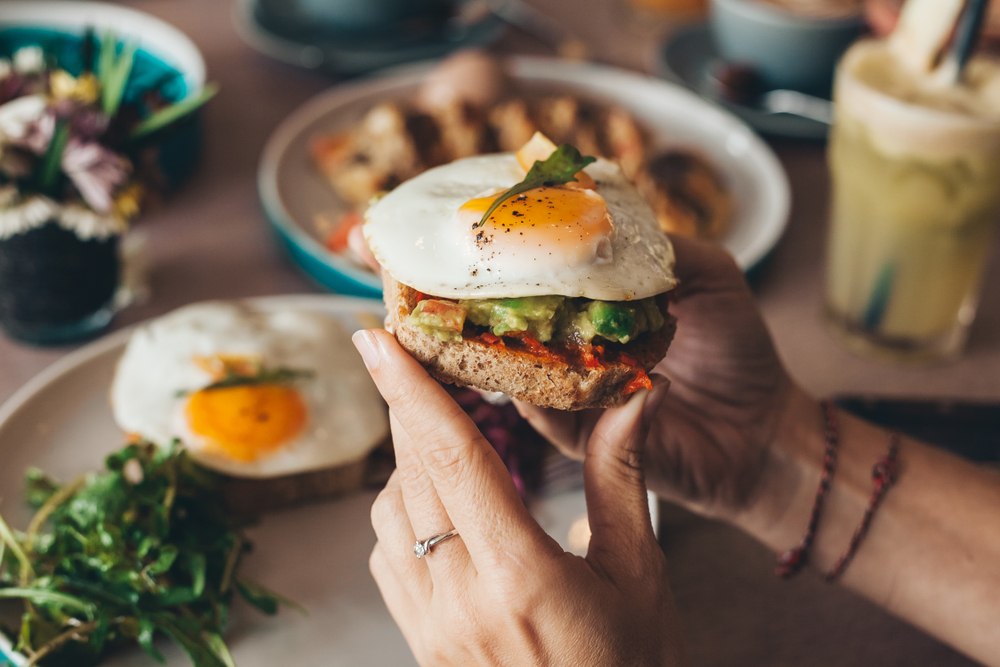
883,476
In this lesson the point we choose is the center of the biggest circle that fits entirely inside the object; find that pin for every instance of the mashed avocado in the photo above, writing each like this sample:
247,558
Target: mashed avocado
546,318
535,314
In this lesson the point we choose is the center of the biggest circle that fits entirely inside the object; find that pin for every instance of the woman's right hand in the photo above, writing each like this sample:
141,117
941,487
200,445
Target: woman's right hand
729,396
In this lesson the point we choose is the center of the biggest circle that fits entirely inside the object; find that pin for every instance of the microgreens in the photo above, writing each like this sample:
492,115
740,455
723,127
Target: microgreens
141,549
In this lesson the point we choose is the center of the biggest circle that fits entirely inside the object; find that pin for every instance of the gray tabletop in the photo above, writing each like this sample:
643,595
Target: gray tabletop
211,241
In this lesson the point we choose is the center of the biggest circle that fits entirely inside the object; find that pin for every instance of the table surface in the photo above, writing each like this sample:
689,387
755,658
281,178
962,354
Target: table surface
211,242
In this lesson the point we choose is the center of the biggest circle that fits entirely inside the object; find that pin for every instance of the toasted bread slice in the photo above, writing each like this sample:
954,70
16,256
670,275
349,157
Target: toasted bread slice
546,382
252,496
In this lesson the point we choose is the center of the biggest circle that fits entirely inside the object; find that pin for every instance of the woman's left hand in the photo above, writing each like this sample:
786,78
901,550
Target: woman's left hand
504,592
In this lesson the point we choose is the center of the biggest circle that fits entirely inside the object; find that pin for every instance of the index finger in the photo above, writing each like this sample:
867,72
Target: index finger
468,475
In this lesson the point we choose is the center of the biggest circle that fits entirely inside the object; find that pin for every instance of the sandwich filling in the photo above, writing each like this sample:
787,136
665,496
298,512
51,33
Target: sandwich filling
557,319
577,331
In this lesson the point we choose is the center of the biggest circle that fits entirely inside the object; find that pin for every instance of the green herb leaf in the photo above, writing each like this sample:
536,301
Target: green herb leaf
187,634
47,597
165,561
114,78
174,112
558,169
51,165
265,376
106,57
258,596
147,632
215,642
264,599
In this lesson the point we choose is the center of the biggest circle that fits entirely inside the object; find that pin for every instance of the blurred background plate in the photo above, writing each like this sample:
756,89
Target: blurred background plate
292,191
291,33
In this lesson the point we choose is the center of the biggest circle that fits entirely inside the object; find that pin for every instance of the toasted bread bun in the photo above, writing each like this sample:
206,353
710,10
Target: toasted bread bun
549,383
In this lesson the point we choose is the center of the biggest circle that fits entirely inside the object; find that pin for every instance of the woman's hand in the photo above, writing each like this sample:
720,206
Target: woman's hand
729,397
504,592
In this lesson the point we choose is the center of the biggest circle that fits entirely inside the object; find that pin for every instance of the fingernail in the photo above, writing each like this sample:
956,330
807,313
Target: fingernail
655,398
367,348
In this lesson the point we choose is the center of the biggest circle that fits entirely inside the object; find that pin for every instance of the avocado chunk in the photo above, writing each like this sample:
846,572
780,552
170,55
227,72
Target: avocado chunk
442,319
616,322
536,315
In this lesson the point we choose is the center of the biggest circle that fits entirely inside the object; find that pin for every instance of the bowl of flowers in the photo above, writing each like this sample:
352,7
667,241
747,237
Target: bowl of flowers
94,123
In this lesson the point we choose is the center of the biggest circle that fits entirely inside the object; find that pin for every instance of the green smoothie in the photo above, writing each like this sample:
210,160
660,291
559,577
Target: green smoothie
916,198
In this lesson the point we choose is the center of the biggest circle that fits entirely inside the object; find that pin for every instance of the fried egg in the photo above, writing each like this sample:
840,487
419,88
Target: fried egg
249,392
602,243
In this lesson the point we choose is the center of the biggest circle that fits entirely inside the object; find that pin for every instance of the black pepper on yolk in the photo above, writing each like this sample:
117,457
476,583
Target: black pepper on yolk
572,222
247,422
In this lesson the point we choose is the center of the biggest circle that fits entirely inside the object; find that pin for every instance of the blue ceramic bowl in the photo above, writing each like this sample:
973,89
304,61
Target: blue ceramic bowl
165,58
788,50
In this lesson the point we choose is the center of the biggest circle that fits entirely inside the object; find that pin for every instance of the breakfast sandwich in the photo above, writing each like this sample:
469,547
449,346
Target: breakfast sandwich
274,400
542,275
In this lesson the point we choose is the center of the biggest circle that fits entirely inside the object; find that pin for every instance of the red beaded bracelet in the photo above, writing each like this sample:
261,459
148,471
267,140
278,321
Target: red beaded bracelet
883,475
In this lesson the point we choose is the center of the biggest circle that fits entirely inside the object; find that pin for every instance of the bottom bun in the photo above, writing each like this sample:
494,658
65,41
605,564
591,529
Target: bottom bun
545,382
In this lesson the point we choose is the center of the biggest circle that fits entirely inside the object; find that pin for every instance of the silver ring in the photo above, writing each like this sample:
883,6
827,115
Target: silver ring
421,549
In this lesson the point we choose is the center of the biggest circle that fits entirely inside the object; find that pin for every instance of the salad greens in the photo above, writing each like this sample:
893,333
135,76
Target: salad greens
557,169
140,549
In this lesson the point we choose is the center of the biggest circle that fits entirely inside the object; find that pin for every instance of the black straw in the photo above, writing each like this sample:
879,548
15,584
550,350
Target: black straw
967,32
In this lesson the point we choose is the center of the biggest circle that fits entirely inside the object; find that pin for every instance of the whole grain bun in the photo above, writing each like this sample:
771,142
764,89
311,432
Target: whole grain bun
524,376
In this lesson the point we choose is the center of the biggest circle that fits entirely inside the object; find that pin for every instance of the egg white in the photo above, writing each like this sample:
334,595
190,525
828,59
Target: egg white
412,235
346,419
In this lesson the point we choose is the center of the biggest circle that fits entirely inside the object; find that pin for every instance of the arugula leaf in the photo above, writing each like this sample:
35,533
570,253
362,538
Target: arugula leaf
558,169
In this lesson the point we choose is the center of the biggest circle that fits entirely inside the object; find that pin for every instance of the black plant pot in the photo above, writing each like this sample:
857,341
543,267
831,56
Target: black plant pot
56,288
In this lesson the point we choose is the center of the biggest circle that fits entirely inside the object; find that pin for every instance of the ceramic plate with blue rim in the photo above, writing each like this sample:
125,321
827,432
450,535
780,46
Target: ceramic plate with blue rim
293,192
166,58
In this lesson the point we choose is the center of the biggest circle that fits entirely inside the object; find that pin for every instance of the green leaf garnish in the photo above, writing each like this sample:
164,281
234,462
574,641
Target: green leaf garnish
175,111
558,169
264,376
113,72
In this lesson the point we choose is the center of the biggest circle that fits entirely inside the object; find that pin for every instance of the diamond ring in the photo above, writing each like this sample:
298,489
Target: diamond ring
422,548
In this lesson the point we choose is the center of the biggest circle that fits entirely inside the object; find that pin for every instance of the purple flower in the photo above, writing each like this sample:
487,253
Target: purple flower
38,134
87,124
95,171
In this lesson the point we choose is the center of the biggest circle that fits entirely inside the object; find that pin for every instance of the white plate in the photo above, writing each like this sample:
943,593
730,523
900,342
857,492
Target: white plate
317,555
292,191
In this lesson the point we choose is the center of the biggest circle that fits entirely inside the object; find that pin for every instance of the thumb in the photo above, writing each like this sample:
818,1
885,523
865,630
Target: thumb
615,486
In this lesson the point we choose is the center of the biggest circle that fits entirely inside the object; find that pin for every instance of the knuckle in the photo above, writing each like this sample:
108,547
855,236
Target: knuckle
376,561
418,485
386,508
451,457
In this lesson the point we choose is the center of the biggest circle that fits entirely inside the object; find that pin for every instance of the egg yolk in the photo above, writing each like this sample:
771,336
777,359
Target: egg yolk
572,223
247,422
